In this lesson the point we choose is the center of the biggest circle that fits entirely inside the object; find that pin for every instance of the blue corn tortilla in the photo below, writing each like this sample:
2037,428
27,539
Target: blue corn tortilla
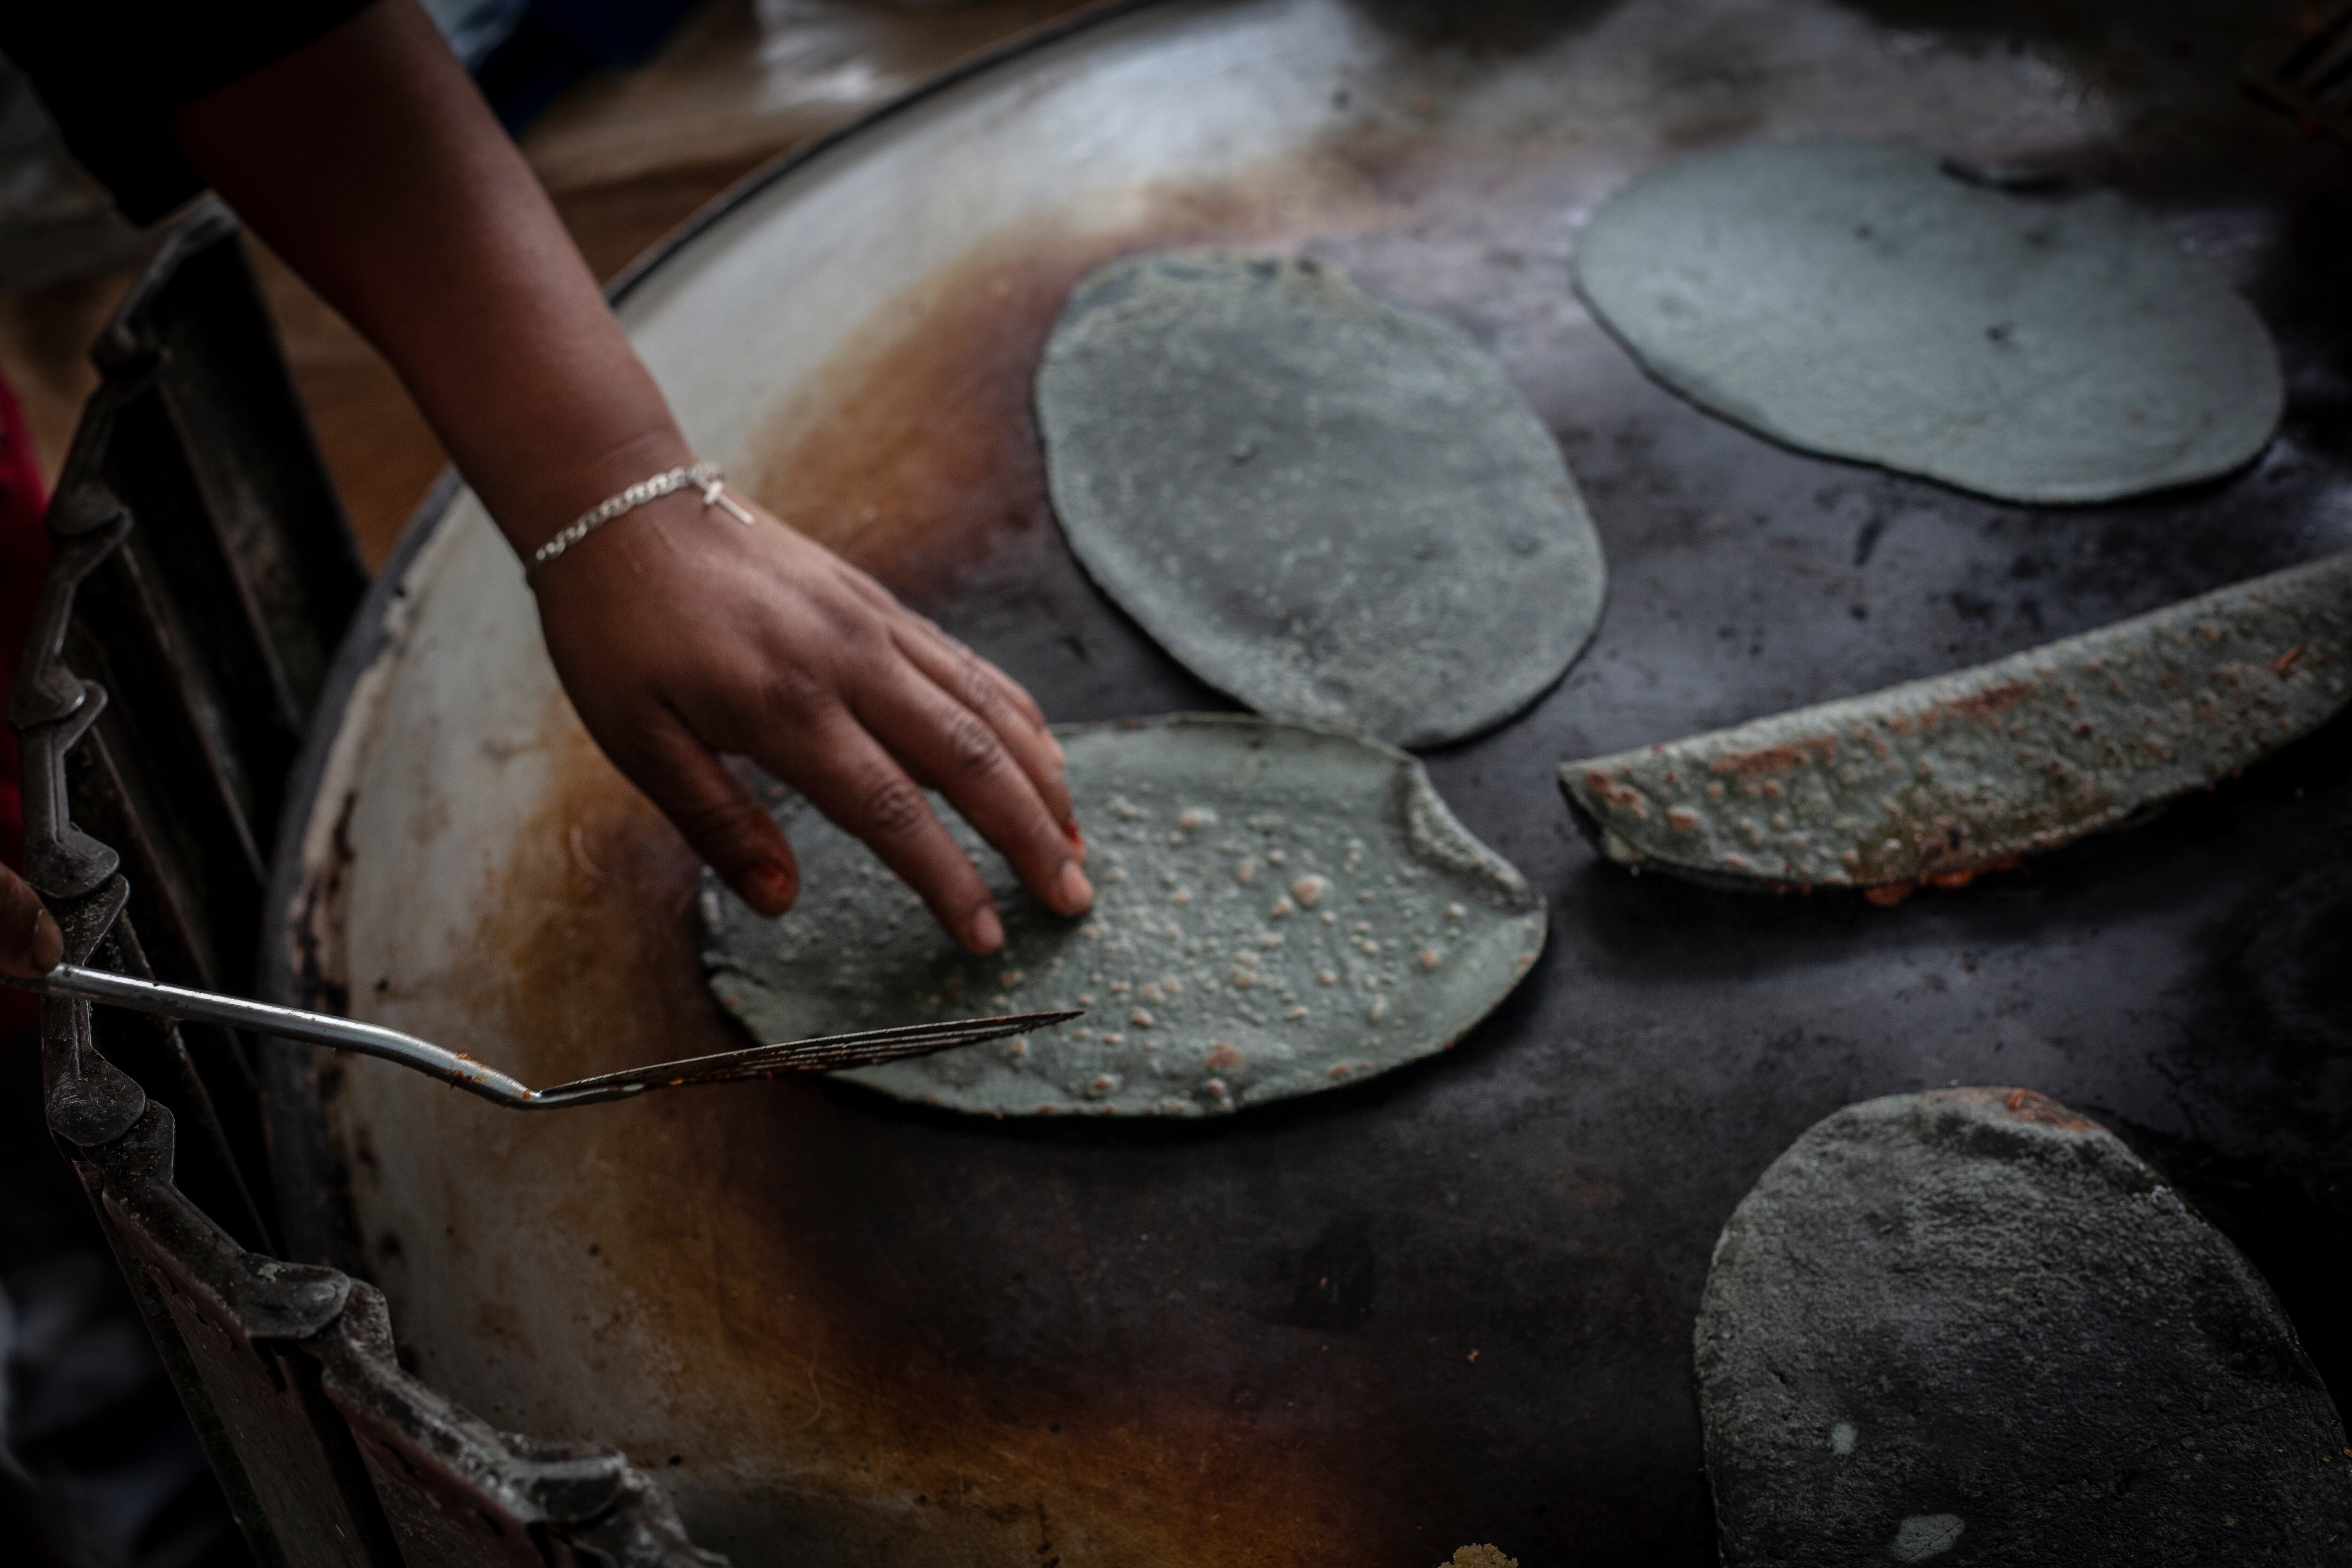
1337,511
2029,339
1277,911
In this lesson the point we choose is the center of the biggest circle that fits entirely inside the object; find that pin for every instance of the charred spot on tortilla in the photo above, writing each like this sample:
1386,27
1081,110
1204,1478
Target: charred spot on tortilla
1338,512
1278,910
2029,339
1939,780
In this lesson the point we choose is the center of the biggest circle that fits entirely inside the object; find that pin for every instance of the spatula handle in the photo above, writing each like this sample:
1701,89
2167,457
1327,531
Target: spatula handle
286,1023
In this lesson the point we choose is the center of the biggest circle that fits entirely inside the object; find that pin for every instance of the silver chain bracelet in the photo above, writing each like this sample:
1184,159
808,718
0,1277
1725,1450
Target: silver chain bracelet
704,476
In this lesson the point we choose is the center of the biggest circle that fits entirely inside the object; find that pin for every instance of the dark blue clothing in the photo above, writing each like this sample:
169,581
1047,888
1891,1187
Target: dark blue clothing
112,73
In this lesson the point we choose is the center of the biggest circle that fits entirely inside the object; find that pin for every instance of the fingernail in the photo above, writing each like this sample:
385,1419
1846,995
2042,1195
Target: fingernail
48,942
987,931
1077,839
768,888
1077,893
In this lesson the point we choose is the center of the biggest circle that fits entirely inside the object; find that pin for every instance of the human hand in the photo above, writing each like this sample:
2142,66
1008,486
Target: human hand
680,635
369,161
30,942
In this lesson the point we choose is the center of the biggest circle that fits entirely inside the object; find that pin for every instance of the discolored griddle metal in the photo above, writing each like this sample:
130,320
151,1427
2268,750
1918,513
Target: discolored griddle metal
1517,1236
1547,1196
1479,1274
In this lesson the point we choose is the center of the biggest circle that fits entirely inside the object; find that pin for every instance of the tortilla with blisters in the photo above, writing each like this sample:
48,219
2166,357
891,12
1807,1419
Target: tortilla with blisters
2031,340
1339,513
1277,911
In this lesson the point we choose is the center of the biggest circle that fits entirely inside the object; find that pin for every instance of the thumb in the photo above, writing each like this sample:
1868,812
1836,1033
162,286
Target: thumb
30,942
730,830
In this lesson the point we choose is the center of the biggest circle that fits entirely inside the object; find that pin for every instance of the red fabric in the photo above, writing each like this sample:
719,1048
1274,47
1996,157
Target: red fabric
24,558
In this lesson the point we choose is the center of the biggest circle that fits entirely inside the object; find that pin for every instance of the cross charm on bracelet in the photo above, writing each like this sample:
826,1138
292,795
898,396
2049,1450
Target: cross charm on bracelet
714,493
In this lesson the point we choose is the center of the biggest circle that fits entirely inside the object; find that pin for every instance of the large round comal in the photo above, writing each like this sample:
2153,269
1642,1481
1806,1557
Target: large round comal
1444,1304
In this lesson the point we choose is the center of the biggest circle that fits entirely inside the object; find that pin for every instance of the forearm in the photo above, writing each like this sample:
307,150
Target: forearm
370,162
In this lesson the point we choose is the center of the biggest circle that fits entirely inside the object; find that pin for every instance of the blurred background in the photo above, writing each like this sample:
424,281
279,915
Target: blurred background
635,113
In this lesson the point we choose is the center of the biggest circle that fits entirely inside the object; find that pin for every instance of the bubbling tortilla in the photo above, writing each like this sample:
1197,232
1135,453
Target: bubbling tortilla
2029,339
1277,911
1338,512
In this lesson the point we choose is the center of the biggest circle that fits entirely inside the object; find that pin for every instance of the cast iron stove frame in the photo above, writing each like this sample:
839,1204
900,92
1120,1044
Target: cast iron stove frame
205,571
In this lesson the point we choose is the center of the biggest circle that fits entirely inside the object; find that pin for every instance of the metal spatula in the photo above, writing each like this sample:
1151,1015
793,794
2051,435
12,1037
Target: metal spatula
823,1054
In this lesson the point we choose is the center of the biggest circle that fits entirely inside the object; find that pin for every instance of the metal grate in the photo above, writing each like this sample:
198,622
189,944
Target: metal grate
160,702
2305,70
